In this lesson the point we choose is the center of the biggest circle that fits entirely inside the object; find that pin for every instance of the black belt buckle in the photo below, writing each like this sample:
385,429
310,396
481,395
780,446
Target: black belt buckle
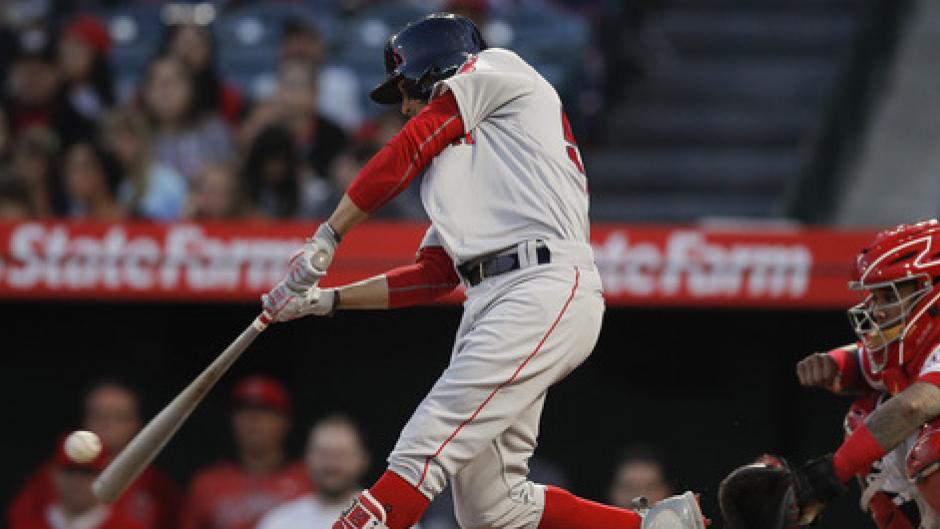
480,272
476,271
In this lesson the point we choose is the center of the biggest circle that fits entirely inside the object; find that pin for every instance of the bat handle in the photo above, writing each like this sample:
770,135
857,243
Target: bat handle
262,321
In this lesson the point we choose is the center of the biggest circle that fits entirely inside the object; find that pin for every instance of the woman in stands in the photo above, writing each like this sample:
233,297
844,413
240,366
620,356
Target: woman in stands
87,86
149,189
186,136
91,176
195,45
272,173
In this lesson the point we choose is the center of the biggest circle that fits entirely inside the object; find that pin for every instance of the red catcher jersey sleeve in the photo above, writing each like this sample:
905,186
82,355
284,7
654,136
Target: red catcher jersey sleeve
486,83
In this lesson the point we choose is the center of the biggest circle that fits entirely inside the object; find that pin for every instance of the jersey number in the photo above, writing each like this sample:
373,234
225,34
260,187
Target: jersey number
572,143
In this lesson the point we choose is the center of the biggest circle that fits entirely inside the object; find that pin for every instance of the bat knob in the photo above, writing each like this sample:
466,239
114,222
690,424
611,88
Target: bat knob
321,260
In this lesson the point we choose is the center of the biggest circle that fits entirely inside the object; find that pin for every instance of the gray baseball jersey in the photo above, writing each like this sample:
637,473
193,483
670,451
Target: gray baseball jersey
517,174
515,178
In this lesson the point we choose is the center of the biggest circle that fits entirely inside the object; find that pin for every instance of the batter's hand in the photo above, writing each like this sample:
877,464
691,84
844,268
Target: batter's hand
308,265
283,304
819,370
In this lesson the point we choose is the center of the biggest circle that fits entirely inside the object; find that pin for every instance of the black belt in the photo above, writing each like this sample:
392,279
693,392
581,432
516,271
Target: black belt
477,270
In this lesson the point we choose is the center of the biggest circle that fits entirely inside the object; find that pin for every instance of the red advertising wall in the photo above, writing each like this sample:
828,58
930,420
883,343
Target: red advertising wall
237,261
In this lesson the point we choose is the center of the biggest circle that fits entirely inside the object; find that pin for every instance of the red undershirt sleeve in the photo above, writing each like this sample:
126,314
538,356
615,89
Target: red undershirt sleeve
849,366
932,377
856,454
431,276
390,171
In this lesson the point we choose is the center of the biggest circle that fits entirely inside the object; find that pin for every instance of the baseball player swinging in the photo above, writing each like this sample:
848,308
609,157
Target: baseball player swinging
506,192
892,442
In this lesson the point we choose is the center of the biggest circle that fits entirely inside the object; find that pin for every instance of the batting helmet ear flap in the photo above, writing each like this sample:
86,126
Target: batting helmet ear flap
759,496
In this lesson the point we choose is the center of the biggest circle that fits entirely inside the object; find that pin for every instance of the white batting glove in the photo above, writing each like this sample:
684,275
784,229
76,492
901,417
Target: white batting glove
283,304
308,265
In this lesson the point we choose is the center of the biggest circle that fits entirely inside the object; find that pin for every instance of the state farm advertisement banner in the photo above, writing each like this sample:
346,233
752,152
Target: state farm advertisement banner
237,261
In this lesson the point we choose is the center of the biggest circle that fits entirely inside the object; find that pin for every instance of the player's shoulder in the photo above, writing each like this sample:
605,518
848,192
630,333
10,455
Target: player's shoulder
498,59
121,520
288,513
221,471
932,360
295,469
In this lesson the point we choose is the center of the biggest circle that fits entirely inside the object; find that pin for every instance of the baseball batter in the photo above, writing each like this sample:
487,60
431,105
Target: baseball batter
893,430
507,195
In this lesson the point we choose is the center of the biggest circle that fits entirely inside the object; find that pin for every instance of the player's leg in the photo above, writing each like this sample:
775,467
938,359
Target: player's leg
494,489
520,333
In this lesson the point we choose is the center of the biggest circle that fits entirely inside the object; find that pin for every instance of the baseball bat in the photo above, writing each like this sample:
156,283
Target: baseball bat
145,446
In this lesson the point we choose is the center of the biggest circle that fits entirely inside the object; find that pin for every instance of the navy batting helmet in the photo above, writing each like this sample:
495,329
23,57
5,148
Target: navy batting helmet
425,52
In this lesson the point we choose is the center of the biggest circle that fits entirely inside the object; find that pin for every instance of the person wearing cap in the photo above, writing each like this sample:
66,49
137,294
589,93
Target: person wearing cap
76,507
83,63
111,410
338,85
33,91
235,494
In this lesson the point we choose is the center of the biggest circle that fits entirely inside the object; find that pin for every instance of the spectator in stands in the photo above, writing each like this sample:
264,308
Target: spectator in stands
87,84
32,88
263,113
111,410
34,162
640,471
75,506
384,127
91,176
475,10
4,136
318,137
216,195
272,173
336,460
318,203
339,92
195,45
149,188
186,137
235,494
14,198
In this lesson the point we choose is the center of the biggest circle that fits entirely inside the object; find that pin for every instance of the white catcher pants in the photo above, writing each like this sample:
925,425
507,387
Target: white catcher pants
520,333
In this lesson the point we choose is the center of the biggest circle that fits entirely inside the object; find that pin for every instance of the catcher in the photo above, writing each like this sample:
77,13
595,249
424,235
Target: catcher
892,442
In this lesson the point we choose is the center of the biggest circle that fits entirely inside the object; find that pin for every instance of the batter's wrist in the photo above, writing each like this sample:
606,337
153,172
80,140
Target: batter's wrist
336,301
328,232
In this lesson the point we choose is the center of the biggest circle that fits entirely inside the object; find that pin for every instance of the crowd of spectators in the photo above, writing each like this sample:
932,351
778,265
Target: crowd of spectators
261,487
184,143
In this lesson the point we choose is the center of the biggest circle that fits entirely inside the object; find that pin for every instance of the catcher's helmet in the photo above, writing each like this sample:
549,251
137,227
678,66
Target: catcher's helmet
425,52
907,254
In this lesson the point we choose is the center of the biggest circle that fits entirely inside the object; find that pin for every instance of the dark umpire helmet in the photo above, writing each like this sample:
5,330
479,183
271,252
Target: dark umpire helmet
425,52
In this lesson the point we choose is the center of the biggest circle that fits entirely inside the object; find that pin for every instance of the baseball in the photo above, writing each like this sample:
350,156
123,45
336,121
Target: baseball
82,446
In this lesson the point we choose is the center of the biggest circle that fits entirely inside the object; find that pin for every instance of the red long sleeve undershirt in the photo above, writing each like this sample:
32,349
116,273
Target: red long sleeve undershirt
390,171
847,363
431,276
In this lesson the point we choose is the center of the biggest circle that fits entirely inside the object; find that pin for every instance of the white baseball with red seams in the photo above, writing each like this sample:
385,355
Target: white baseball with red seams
82,446
515,178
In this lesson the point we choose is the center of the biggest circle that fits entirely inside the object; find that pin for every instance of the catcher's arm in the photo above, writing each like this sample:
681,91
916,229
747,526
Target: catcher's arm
899,417
821,479
836,370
